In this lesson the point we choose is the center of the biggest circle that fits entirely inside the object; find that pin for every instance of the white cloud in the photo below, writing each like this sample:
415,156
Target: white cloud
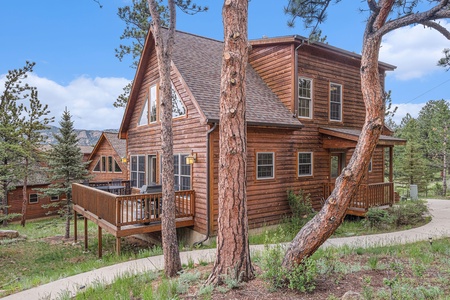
410,108
89,100
415,51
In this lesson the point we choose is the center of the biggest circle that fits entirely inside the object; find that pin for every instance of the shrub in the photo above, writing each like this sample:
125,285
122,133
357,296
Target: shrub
300,278
300,204
409,213
378,218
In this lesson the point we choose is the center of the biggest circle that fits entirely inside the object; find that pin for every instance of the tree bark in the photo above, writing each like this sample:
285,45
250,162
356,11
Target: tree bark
233,254
323,225
164,46
24,195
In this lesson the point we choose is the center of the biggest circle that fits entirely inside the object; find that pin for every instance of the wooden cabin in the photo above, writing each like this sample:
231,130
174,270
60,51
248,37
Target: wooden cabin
304,115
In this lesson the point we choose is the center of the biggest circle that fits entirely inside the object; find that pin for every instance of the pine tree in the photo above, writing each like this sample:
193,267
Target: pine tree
66,166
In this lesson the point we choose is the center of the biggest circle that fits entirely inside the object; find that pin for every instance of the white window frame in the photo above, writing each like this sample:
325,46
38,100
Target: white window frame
340,103
310,99
258,177
144,118
54,198
34,195
153,99
177,100
304,164
137,171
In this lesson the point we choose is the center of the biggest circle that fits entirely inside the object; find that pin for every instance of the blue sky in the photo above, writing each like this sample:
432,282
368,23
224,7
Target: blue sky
73,42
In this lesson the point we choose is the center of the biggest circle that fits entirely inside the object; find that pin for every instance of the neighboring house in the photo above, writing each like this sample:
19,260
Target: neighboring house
38,179
86,150
304,115
108,159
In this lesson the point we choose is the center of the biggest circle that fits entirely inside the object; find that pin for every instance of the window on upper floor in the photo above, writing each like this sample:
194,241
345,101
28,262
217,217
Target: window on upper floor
304,97
150,110
107,164
335,102
265,165
305,163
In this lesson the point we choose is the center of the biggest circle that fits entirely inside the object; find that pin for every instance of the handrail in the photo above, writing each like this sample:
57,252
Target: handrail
368,195
123,210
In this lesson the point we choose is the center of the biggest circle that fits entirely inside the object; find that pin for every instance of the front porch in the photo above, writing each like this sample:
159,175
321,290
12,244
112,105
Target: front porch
124,215
368,195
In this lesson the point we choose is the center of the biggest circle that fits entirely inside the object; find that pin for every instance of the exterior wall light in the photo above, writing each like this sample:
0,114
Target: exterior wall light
191,159
124,160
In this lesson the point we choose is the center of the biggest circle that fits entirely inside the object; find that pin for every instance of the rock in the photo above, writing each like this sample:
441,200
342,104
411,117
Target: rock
8,234
351,295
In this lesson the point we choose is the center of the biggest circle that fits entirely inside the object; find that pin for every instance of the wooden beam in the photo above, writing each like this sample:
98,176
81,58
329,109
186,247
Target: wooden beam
85,234
118,245
100,246
75,227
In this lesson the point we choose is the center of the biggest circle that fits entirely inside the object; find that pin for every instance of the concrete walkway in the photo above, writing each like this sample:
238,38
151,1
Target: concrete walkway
438,227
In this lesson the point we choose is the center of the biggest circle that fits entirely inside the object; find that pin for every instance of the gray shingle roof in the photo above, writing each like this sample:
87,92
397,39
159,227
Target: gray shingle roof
199,60
119,145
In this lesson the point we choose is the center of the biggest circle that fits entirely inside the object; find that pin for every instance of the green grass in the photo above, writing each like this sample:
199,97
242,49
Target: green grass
37,259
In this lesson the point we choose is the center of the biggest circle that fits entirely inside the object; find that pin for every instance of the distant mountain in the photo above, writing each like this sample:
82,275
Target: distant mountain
85,137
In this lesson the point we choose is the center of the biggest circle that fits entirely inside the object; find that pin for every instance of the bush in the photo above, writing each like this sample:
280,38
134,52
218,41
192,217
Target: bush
378,218
300,278
300,204
409,213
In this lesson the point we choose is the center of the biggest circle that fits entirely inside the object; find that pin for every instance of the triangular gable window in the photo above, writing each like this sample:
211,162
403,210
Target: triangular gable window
178,108
97,167
143,120
117,168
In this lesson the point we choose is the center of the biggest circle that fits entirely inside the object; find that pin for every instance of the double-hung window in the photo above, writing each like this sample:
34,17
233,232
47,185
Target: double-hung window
137,171
335,102
265,165
182,172
33,198
305,160
304,98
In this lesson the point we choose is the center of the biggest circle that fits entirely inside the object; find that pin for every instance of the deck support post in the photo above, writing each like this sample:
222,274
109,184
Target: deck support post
391,174
85,234
100,242
118,245
75,227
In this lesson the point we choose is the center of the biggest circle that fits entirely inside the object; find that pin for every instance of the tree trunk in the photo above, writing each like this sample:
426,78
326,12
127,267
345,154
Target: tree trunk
68,215
323,225
24,195
164,46
5,203
444,171
233,255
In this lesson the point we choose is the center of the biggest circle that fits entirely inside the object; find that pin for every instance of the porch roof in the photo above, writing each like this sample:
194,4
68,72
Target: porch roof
351,134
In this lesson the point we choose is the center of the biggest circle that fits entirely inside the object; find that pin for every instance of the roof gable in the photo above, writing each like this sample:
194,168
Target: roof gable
198,60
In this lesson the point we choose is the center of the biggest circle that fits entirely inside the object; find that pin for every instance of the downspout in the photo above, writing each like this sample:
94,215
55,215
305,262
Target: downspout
208,188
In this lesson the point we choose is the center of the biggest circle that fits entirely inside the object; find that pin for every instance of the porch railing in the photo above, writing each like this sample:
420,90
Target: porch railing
122,210
368,195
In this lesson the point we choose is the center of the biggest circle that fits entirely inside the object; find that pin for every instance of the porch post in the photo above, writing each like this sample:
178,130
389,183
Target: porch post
118,245
100,242
75,227
391,173
85,234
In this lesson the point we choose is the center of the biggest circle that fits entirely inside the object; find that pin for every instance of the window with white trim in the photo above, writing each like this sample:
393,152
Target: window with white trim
265,165
54,198
153,104
370,165
182,172
305,160
304,98
335,102
143,120
137,166
33,198
178,108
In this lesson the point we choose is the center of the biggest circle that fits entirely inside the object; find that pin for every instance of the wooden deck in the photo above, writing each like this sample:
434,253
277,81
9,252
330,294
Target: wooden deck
125,215
368,195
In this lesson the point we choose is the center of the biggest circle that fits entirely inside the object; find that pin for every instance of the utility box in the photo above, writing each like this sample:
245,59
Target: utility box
414,192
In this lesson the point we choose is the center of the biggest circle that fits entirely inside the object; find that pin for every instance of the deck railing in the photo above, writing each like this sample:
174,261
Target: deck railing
122,210
368,195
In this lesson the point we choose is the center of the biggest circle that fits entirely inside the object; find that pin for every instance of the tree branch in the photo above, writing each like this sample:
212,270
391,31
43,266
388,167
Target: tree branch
437,27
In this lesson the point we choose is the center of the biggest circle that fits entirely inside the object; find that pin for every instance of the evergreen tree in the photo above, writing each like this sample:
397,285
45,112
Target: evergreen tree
11,139
66,166
34,121
411,164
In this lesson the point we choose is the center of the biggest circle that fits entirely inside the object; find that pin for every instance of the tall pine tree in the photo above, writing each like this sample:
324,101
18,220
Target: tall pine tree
66,166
